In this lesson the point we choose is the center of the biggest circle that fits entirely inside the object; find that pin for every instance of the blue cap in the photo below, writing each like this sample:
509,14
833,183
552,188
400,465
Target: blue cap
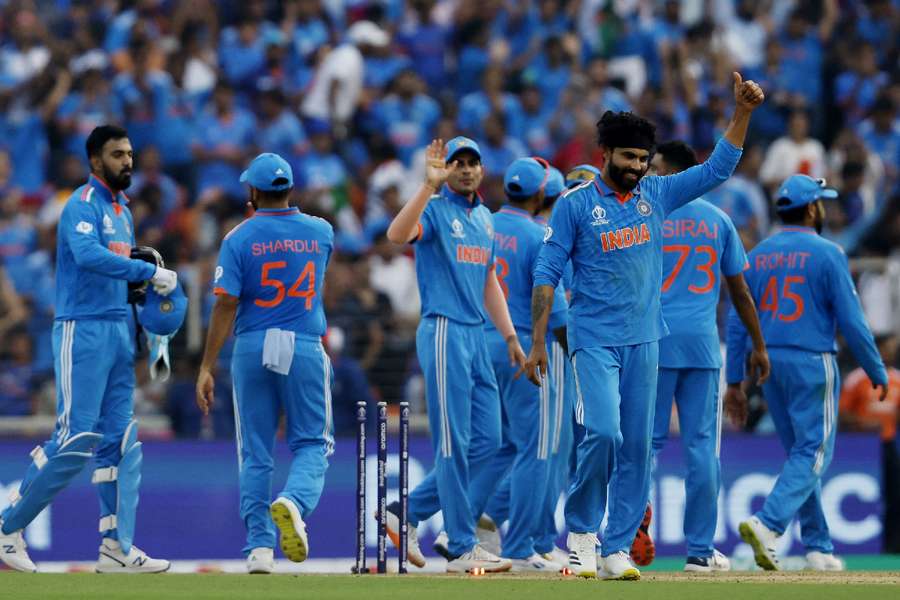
269,172
580,174
460,143
556,183
524,177
800,190
163,315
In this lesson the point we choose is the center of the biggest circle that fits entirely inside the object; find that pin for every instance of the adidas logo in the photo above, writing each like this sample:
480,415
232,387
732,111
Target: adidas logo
279,171
515,178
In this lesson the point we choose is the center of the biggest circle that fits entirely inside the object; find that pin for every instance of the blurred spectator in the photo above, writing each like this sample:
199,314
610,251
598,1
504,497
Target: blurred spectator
855,90
498,149
394,274
407,116
803,55
743,199
796,152
222,137
425,40
323,176
881,133
350,385
475,107
746,33
279,129
17,378
861,410
337,85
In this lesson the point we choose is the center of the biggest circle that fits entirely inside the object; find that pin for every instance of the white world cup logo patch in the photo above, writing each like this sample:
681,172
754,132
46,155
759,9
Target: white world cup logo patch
457,229
599,215
219,272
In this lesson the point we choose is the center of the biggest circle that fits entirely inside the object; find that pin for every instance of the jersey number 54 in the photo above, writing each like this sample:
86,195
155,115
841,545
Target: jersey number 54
297,290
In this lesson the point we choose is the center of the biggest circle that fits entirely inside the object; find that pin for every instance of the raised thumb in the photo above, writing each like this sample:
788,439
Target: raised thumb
738,80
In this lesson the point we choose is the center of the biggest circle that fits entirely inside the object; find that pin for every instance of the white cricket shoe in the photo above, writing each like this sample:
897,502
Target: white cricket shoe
583,554
14,553
762,540
557,555
488,535
534,564
294,541
413,551
707,564
619,566
261,561
477,559
113,560
441,545
819,561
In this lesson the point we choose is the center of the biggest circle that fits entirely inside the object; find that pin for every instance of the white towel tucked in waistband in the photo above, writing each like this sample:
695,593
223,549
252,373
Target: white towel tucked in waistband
278,350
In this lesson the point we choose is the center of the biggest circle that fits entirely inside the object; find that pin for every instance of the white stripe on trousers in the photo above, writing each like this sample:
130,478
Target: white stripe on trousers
827,412
543,419
65,377
237,424
440,354
720,399
559,372
326,434
579,400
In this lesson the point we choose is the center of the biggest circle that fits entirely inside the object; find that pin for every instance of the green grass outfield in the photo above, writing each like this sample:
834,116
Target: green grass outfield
668,586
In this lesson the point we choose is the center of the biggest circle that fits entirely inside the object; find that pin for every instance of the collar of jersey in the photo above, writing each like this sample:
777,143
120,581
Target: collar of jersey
607,191
463,201
798,229
276,212
514,210
105,191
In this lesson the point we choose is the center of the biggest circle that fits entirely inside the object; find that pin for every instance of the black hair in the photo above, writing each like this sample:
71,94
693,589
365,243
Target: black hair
793,216
100,135
626,130
678,154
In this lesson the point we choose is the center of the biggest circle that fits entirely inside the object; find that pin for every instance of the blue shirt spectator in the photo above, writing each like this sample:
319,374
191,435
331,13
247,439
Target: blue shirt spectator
427,42
475,107
407,117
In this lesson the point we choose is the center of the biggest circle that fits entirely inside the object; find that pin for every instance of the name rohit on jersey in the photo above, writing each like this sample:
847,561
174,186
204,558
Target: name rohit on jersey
780,260
625,237
297,246
689,227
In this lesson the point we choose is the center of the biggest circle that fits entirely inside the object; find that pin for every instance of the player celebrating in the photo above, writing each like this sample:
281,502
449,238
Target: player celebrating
268,283
699,241
611,229
454,236
803,290
93,355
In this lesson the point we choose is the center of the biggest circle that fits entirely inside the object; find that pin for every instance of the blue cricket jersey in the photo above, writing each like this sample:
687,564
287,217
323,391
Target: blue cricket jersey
275,262
94,239
803,292
615,244
699,241
517,243
454,253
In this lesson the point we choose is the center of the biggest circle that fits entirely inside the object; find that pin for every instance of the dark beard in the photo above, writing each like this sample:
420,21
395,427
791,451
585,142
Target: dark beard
117,182
618,177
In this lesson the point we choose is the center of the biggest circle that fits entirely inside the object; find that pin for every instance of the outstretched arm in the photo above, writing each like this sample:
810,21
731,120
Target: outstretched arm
405,226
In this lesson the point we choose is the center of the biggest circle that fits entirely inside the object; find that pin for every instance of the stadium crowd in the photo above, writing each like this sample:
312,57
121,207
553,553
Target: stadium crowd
351,91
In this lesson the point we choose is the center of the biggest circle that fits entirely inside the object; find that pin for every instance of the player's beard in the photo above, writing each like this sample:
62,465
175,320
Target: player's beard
118,181
617,175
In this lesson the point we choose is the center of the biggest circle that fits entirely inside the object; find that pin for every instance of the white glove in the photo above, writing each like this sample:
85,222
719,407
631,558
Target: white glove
164,281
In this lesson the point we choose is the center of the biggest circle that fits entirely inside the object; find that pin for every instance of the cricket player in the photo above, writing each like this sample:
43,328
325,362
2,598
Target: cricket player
453,234
612,230
93,355
802,287
699,242
268,284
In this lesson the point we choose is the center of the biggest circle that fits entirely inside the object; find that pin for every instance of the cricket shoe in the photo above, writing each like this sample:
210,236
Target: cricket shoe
261,561
618,566
583,554
762,540
413,552
13,551
820,561
441,545
294,541
557,555
478,559
113,560
535,564
488,535
707,564
643,550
